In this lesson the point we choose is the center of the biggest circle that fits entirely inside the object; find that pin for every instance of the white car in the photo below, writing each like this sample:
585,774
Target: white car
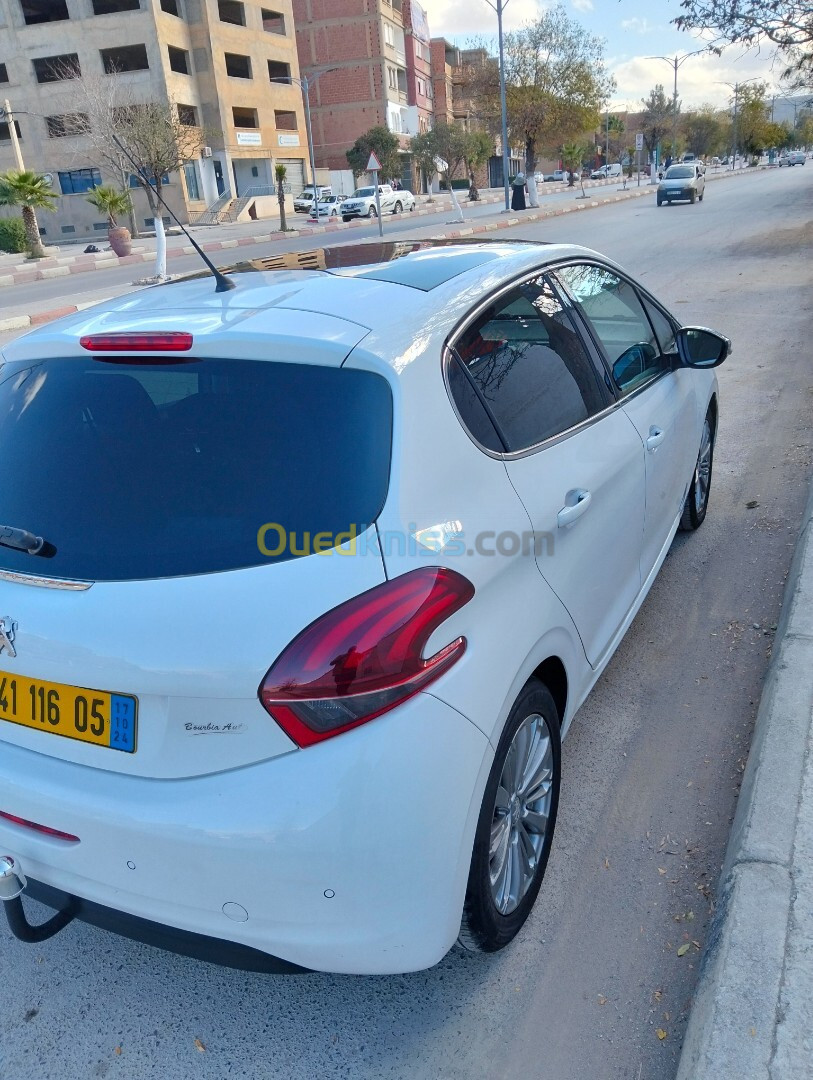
604,172
362,202
298,611
682,183
328,207
303,203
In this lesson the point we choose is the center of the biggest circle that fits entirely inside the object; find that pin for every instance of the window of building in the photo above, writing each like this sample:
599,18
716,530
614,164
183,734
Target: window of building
68,228
43,11
529,366
5,134
231,11
55,68
188,115
178,60
125,58
190,175
3,73
150,222
389,34
113,7
238,67
78,181
273,21
402,80
60,127
421,87
171,8
285,120
101,226
277,70
134,180
245,118
614,312
392,78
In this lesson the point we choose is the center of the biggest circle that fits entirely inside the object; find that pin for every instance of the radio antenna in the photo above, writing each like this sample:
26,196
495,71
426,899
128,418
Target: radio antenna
223,283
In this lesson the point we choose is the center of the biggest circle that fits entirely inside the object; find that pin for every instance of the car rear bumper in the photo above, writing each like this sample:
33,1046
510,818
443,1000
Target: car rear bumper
349,856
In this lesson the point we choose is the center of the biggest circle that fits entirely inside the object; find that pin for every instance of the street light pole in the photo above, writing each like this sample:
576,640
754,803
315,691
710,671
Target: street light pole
736,88
675,62
306,92
12,130
499,6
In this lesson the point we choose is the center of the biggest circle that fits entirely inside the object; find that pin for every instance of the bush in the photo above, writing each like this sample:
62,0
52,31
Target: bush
460,184
12,235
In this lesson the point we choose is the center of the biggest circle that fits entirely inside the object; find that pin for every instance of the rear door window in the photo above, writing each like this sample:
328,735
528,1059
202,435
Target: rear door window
143,469
530,367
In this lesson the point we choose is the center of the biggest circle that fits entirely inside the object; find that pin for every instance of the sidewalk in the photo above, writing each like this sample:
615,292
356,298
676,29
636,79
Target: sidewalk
752,1017
241,237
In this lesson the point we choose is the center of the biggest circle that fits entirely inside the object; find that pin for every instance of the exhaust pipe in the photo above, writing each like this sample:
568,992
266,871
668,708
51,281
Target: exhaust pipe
12,886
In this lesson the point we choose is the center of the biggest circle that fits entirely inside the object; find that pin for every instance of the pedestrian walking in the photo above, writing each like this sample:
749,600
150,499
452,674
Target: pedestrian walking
518,192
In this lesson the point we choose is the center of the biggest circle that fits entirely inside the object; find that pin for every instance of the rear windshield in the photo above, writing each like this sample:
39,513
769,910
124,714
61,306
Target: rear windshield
150,470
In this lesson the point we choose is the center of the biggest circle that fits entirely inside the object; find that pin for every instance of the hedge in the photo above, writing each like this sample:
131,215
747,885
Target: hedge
12,235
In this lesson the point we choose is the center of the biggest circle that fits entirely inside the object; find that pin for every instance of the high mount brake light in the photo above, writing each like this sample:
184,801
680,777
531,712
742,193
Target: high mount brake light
171,341
365,656
57,834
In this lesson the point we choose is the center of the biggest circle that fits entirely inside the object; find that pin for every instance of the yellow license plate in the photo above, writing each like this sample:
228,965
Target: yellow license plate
94,716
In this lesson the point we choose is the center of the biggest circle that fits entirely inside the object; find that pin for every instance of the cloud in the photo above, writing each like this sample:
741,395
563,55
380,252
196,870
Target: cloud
638,26
582,5
462,19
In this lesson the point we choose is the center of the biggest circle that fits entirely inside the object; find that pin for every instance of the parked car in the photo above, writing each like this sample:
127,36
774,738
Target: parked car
283,671
555,176
362,202
328,206
606,171
682,182
303,202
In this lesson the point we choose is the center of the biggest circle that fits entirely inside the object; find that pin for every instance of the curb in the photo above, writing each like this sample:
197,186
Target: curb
748,1016
21,322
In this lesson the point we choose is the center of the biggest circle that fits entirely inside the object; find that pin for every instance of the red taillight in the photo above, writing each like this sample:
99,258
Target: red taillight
167,342
365,656
39,828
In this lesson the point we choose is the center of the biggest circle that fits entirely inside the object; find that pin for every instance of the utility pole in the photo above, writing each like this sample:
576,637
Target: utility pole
736,88
12,130
607,142
499,6
675,62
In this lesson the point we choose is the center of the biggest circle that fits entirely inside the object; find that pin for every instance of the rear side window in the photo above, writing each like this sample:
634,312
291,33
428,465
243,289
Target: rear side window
530,367
151,470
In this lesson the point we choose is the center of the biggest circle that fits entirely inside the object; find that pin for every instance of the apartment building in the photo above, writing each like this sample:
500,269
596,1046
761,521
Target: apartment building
222,62
419,67
355,54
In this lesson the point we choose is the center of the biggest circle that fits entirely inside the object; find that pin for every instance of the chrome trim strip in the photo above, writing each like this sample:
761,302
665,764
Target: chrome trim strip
44,582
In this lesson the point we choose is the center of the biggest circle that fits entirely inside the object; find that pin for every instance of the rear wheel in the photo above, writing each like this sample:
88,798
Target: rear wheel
346,217
697,500
397,208
371,213
516,823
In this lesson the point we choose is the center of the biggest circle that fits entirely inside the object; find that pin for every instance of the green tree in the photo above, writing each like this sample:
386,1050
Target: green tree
479,148
31,192
573,156
280,173
658,119
110,201
556,84
380,141
705,130
451,144
423,153
753,118
787,24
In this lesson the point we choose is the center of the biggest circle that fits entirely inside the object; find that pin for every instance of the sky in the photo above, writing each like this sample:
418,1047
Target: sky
633,30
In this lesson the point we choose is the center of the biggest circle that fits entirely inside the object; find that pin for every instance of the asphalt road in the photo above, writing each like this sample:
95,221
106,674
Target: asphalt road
651,767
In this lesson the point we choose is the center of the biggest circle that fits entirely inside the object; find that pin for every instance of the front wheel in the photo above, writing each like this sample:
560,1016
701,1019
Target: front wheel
660,201
700,196
411,209
515,828
371,213
346,218
692,197
697,499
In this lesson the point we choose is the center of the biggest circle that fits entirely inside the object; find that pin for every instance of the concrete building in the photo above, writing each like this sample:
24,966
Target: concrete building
215,59
356,51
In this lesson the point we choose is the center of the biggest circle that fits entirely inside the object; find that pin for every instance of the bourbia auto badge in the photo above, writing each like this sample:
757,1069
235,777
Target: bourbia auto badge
7,630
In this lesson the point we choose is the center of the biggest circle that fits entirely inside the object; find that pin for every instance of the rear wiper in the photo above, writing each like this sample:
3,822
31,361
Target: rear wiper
23,540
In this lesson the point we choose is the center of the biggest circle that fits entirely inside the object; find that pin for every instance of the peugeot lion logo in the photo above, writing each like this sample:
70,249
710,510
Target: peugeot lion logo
8,629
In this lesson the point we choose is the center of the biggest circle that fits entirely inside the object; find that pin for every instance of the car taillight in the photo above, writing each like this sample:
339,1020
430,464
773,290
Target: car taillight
365,656
57,834
169,341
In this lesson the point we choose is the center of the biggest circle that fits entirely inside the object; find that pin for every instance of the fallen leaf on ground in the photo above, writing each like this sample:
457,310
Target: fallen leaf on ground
684,948
116,1049
661,870
753,1031
606,864
661,1034
199,1046
656,994
751,504
602,999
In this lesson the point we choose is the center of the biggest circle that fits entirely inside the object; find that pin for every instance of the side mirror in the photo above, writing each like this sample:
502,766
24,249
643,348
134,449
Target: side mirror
701,348
633,362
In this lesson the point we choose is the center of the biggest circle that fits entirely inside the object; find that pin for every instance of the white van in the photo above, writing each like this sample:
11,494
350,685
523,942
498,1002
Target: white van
606,172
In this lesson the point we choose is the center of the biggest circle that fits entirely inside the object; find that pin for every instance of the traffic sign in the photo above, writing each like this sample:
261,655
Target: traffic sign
639,141
373,165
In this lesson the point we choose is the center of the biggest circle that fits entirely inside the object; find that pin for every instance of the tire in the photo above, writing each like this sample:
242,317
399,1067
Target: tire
346,218
692,197
371,213
697,499
412,208
495,911
700,196
397,208
660,201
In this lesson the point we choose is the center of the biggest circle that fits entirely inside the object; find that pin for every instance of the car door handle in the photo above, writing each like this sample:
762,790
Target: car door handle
656,437
577,503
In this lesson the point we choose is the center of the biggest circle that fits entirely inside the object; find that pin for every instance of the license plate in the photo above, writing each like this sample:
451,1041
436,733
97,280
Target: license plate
93,716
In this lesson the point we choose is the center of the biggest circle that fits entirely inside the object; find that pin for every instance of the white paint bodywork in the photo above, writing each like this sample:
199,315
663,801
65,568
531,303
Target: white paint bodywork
382,817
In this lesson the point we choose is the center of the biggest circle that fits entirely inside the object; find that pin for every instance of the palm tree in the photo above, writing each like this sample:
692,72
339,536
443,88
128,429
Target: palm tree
280,172
110,201
31,192
573,154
